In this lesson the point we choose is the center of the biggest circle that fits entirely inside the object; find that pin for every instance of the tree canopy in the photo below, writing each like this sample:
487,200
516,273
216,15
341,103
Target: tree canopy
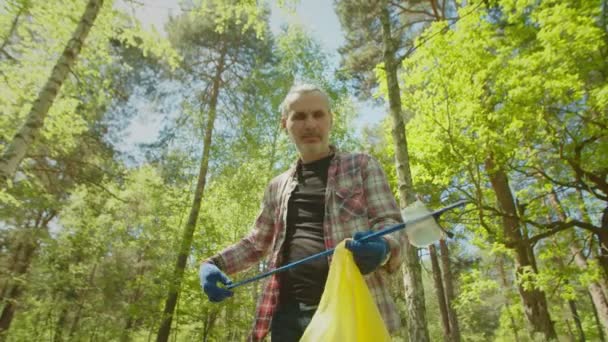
501,102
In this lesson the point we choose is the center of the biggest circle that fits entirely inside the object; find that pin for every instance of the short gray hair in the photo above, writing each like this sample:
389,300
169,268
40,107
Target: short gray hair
299,89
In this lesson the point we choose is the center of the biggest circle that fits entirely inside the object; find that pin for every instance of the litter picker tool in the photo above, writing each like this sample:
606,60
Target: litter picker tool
419,214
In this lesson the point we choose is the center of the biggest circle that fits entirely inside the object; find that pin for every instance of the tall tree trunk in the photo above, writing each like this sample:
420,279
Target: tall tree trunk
601,282
598,297
570,333
571,303
603,240
26,136
534,300
436,12
209,323
26,245
24,255
602,236
186,241
448,285
577,320
600,330
412,276
440,294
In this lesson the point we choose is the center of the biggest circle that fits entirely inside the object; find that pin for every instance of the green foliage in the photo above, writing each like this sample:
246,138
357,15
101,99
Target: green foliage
521,81
379,143
477,298
364,48
248,14
70,153
102,269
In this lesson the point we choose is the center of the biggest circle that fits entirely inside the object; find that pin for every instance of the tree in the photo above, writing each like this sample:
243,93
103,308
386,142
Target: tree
220,60
482,103
393,26
22,141
412,279
70,149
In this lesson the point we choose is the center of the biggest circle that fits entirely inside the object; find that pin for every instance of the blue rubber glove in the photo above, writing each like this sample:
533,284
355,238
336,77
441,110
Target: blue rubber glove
209,275
368,254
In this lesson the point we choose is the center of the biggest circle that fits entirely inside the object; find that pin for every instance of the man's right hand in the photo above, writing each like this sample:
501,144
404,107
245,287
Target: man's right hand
209,275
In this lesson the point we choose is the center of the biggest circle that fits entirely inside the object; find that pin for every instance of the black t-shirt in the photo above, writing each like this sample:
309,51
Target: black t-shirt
304,235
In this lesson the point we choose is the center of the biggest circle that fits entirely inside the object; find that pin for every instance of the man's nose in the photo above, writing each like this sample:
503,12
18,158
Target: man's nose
309,122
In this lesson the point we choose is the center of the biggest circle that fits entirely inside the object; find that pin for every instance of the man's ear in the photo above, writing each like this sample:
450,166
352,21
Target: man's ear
284,123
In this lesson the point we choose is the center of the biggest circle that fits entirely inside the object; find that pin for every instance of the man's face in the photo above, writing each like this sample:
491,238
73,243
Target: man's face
308,124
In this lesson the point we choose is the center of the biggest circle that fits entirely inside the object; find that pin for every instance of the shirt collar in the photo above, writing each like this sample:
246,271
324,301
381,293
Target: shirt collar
333,150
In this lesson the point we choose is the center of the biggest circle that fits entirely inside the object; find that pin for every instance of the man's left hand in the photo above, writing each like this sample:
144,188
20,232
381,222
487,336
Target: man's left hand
368,254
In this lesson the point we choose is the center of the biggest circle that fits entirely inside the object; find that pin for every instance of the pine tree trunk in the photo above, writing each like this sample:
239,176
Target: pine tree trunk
440,294
534,300
412,276
186,241
598,299
448,285
27,135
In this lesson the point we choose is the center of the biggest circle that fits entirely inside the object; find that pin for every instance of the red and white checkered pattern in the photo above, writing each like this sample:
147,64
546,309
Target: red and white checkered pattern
357,198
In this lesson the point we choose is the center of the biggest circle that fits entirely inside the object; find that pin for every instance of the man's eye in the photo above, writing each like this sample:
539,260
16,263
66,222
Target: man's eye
319,114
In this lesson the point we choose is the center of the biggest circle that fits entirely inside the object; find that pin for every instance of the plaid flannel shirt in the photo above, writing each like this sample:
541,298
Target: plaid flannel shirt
357,198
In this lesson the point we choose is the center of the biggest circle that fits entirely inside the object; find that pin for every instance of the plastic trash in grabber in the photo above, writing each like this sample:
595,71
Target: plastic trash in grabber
422,230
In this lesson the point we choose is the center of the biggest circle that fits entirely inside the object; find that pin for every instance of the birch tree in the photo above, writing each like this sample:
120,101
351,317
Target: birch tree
16,150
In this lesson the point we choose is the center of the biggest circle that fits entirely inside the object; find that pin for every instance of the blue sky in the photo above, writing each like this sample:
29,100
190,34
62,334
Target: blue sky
317,16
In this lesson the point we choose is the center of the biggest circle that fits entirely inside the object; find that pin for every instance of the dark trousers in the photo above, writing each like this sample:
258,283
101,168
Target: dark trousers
289,322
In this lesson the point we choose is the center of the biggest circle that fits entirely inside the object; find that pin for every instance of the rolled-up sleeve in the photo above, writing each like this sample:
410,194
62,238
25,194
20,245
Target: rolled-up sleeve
383,210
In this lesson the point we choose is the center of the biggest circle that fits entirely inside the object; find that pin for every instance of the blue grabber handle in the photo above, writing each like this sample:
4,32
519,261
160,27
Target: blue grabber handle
384,231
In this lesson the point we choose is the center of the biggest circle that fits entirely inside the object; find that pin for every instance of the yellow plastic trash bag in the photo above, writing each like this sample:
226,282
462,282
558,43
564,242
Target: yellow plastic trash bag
347,311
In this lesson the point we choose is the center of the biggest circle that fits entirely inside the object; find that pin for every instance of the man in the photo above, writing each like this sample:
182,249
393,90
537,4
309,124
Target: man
325,197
